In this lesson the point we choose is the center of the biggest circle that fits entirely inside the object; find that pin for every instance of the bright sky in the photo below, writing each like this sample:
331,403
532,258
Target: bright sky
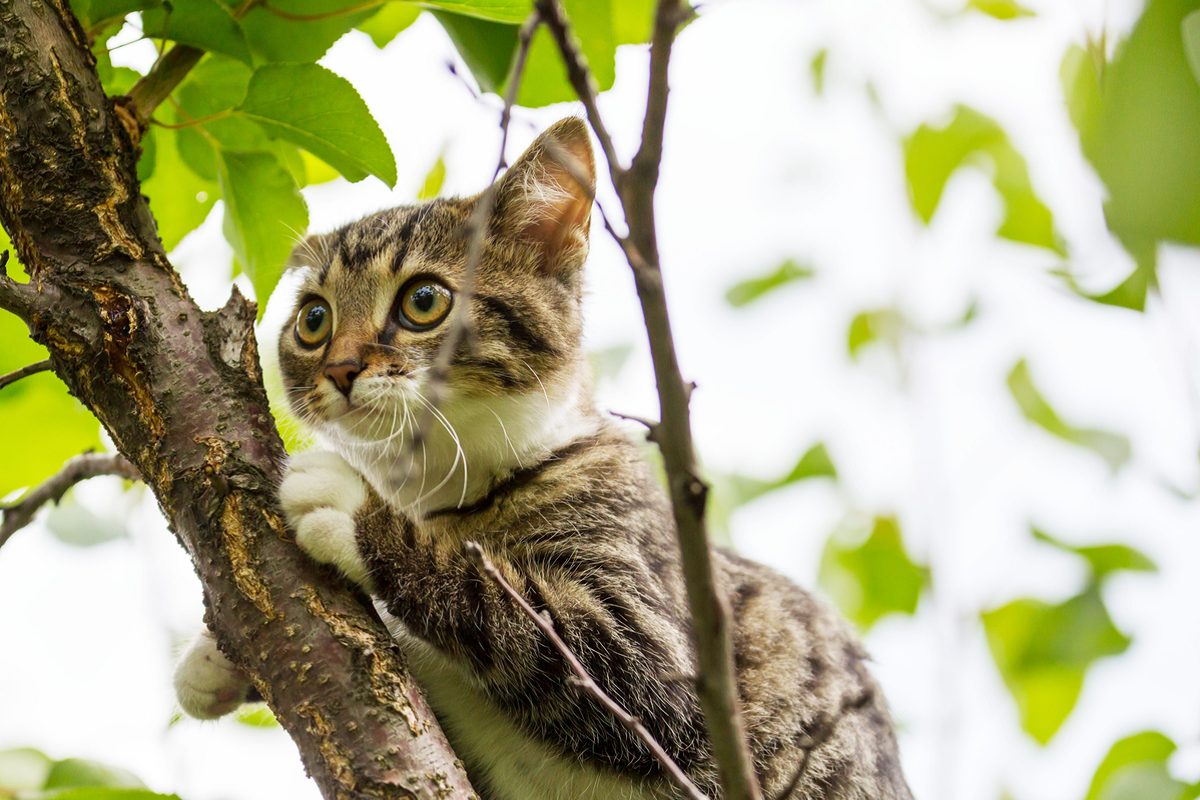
758,169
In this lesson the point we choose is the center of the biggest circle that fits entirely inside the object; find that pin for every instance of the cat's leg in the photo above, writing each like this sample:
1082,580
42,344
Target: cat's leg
320,497
207,684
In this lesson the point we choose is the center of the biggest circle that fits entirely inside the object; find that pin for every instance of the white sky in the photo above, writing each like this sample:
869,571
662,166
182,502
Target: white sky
757,168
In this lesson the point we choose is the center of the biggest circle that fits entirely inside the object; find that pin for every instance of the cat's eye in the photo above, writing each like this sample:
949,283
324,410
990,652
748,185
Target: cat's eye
314,323
424,303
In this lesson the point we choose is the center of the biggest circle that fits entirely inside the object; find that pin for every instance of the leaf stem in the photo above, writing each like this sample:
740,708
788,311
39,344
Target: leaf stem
193,122
279,12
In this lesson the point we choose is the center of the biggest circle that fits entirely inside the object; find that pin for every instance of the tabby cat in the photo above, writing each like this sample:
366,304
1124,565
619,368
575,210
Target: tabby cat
520,461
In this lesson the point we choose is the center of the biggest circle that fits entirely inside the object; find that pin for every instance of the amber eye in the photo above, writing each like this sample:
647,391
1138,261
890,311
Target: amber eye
424,303
313,323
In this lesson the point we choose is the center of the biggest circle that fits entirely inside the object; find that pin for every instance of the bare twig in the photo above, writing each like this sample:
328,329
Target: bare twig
460,320
24,372
79,468
820,735
581,80
717,686
582,678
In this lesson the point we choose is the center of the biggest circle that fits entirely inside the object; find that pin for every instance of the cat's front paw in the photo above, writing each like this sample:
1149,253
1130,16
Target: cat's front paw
320,496
207,684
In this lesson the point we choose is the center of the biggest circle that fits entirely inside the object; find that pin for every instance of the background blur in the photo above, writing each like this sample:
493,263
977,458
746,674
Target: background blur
890,270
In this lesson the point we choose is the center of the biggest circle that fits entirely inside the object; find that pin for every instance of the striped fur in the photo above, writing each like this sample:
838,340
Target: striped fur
521,462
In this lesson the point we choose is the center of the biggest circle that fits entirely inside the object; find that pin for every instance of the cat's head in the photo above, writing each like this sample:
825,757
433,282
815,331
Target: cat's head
376,298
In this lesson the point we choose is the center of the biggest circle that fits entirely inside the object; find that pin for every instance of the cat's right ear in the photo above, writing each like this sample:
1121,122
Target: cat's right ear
546,196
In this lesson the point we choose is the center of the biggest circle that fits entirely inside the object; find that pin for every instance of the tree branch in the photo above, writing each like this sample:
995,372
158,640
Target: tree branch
582,678
80,468
717,685
156,85
24,372
180,392
460,321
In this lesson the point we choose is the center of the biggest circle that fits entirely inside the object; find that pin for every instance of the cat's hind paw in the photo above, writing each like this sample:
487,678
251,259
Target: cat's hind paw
320,497
207,684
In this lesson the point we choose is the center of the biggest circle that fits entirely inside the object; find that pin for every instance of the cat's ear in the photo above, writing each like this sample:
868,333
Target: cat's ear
312,251
546,196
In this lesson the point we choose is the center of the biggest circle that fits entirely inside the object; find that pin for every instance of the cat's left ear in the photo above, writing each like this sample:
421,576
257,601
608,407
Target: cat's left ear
546,197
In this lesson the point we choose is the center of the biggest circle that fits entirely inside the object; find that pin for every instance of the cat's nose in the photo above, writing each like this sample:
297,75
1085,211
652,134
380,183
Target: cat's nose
343,374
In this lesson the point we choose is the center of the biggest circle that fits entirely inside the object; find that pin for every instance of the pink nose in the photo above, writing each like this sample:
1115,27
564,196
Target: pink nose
343,374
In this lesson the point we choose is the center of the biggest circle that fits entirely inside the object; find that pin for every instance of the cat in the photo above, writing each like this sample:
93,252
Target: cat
519,460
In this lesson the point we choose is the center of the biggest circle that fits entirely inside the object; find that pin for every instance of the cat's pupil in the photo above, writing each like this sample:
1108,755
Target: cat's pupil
315,318
423,298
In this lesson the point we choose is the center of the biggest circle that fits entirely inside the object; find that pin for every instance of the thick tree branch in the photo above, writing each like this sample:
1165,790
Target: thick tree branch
717,684
180,392
582,678
80,468
24,372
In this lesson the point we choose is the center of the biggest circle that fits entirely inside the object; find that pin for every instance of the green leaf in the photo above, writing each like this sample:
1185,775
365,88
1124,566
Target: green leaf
815,463
749,290
1148,93
1112,447
179,199
79,772
100,10
886,325
322,112
256,715
317,170
387,23
872,578
22,770
273,38
545,80
264,215
1103,559
431,187
632,20
486,47
816,68
148,156
205,24
1143,749
932,155
510,11
1043,652
40,419
1000,9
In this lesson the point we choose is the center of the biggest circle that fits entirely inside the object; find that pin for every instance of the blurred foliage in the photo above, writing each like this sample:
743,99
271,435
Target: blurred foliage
746,292
30,774
256,715
869,578
731,491
1146,93
1112,447
1043,650
389,22
1000,9
1135,768
932,155
431,187
884,325
816,69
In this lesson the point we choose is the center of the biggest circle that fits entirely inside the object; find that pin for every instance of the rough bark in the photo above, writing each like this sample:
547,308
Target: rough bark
179,391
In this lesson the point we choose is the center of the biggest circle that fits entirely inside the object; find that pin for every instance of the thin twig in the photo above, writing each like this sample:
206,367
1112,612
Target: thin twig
79,468
717,687
583,679
581,80
24,372
156,85
820,736
460,320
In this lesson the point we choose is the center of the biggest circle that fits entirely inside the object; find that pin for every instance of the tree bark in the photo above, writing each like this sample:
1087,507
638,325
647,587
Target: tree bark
180,392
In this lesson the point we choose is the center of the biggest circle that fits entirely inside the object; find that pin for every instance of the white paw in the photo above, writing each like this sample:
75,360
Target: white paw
320,496
207,684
